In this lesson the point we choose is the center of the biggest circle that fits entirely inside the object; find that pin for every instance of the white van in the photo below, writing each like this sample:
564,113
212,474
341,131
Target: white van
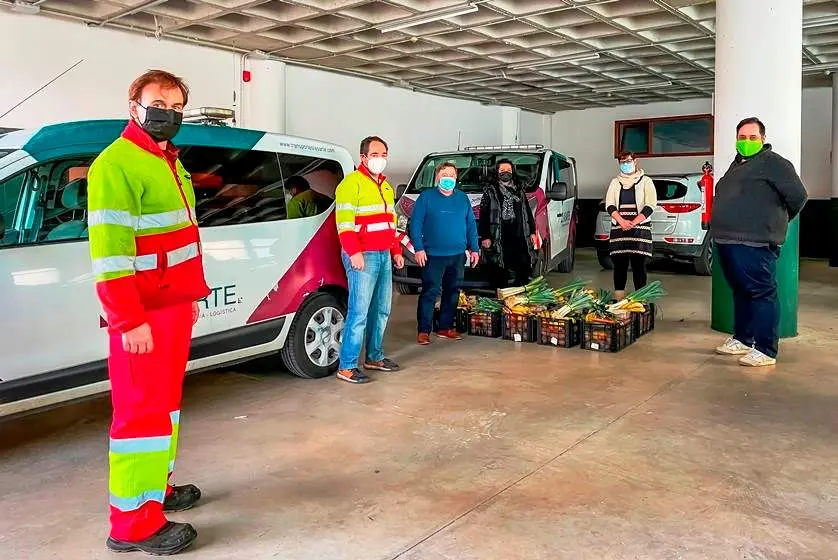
549,179
278,284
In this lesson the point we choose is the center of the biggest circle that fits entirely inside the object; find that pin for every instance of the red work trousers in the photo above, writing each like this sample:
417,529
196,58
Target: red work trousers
146,391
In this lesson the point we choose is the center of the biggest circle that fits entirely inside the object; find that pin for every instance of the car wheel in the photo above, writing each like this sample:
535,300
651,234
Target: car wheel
704,263
407,289
568,264
312,348
604,258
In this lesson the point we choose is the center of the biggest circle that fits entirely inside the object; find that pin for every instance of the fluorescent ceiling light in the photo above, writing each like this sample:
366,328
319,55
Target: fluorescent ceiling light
428,17
557,61
620,89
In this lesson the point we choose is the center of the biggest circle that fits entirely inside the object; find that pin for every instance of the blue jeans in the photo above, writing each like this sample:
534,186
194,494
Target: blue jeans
751,273
440,274
370,296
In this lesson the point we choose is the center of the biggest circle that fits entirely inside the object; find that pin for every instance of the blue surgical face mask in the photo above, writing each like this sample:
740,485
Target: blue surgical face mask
627,167
447,183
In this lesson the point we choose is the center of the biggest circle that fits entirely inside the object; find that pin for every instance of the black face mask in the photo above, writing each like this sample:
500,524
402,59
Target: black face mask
162,124
505,176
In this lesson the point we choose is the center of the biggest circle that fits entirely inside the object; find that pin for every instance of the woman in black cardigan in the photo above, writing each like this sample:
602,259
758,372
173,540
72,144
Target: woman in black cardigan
507,229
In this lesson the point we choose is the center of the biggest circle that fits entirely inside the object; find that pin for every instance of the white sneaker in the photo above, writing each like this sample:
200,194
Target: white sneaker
733,347
755,358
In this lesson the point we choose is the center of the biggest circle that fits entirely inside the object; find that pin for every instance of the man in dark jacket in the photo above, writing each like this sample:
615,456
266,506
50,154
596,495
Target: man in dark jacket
753,205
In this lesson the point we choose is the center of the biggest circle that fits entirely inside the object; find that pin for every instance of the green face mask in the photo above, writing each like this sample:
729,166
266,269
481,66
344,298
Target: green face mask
748,148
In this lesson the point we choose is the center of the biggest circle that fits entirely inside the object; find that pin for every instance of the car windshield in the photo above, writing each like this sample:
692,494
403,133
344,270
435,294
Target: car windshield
475,170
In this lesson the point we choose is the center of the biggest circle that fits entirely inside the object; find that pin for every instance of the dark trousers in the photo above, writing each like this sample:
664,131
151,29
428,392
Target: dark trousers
440,274
751,273
621,266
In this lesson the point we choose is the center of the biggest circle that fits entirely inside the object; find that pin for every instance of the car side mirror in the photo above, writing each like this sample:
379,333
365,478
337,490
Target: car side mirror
400,190
559,191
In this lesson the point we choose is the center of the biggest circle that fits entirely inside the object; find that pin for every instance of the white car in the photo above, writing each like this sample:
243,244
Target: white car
277,284
549,179
678,231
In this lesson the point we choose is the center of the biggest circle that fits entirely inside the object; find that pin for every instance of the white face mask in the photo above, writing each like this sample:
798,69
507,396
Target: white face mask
376,164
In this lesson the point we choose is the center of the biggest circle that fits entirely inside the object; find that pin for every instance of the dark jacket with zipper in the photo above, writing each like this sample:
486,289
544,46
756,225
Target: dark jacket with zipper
756,199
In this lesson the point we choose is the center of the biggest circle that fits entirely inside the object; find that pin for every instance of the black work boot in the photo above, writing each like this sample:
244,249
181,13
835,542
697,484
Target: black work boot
170,539
181,498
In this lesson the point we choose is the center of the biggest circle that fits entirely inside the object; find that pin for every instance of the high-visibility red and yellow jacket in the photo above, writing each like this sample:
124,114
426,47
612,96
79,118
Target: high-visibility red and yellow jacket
365,213
144,240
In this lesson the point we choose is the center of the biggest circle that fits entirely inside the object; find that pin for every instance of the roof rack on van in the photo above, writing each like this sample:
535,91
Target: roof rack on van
508,147
209,115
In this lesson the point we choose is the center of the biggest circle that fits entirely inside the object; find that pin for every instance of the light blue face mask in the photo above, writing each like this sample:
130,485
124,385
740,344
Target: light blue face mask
627,167
447,183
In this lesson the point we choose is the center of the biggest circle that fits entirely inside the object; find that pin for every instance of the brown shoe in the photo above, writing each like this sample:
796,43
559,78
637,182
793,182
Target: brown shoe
449,334
423,339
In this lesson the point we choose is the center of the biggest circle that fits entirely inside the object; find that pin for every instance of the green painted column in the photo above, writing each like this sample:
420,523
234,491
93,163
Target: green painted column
788,267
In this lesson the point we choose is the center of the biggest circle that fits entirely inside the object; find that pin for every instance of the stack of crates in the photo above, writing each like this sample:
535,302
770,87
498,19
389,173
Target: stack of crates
608,337
484,323
563,333
644,323
519,328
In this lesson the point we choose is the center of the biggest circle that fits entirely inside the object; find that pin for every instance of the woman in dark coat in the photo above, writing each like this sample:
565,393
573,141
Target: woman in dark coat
507,230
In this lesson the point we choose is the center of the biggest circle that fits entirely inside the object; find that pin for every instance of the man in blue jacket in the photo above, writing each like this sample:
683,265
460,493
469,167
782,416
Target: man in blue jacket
442,228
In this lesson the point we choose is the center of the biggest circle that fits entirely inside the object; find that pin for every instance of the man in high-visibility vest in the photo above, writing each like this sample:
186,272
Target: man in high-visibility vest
146,255
366,222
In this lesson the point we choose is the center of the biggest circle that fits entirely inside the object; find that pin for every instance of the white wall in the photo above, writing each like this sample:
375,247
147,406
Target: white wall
344,110
36,49
535,128
588,135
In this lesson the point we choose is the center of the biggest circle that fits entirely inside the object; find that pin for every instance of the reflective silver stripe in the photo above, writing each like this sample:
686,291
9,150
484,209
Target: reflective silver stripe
380,226
165,219
106,265
346,226
145,262
345,206
372,208
111,218
183,254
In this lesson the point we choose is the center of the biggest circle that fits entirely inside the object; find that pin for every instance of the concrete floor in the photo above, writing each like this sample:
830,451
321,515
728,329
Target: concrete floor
482,449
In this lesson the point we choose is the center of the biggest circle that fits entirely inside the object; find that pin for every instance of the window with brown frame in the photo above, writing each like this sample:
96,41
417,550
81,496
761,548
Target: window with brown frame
690,135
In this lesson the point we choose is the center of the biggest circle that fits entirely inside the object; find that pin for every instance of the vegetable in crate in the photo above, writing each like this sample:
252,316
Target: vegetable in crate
636,300
487,305
578,301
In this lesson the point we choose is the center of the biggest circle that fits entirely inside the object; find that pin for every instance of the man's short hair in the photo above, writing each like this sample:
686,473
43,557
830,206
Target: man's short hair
164,79
445,165
297,182
365,144
752,120
504,160
625,154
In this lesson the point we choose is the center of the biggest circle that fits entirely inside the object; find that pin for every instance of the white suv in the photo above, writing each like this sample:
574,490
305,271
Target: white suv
678,231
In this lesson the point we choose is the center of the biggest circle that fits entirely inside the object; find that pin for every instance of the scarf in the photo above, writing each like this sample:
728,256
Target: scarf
630,180
509,201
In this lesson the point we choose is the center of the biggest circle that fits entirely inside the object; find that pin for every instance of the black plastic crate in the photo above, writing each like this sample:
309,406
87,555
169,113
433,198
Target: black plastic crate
460,320
644,323
607,337
484,323
564,333
519,328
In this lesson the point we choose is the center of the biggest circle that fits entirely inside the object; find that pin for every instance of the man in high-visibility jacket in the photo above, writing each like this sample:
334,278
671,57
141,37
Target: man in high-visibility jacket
366,222
146,255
